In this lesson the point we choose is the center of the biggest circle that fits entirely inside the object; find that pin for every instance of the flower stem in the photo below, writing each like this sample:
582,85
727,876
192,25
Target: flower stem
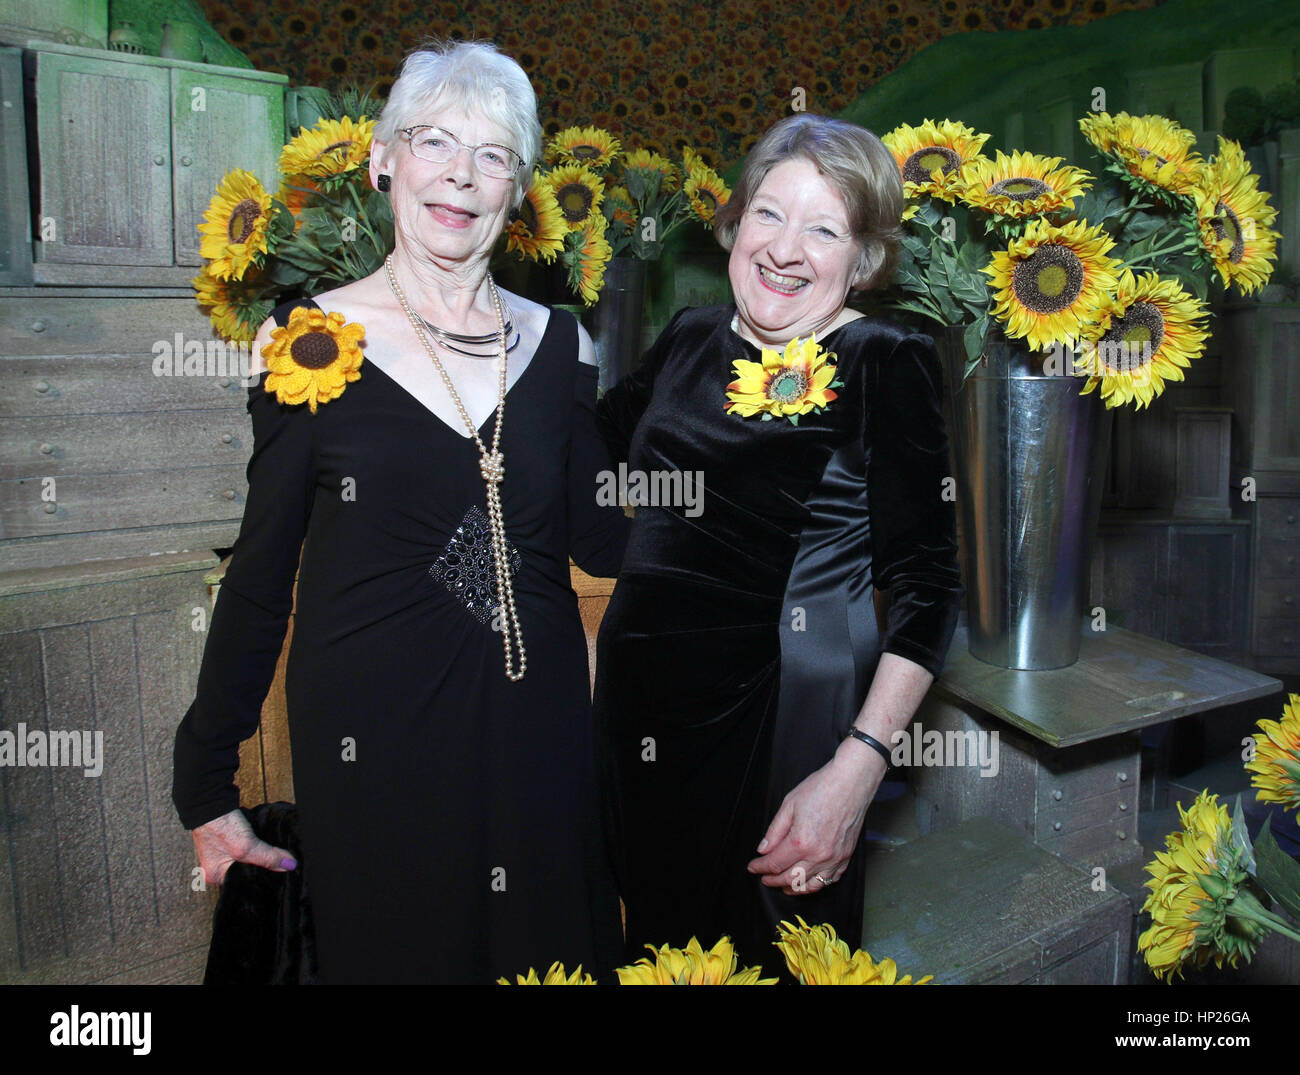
1248,907
1182,244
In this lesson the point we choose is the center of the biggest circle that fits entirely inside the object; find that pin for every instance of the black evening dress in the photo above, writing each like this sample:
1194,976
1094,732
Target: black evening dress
449,817
742,636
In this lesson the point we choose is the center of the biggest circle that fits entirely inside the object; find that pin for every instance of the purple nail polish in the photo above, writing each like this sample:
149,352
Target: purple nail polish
288,864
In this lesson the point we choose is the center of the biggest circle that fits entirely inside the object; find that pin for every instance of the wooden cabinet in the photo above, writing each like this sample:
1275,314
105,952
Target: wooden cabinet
130,151
1182,581
1276,594
1264,342
104,183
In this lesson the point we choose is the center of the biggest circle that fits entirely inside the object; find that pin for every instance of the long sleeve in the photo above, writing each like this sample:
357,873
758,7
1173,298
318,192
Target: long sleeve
913,525
597,531
248,624
620,409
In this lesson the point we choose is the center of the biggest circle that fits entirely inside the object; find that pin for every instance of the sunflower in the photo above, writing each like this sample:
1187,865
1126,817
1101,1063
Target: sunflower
586,253
235,307
554,976
691,966
578,193
1276,764
537,231
944,148
619,207
332,147
1049,282
311,359
816,956
646,166
787,385
1200,906
1233,216
1146,331
235,226
707,192
1023,184
1152,153
584,145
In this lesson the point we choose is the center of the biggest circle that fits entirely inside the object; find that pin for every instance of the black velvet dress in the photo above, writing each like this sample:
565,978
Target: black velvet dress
449,819
742,638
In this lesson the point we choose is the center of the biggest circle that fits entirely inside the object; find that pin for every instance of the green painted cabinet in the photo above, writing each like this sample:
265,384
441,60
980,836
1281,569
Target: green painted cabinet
131,149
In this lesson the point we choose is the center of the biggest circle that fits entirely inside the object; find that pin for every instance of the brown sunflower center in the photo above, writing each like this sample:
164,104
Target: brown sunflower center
1227,226
345,144
243,216
917,167
788,385
314,350
1133,339
1019,188
575,202
1049,280
707,199
586,152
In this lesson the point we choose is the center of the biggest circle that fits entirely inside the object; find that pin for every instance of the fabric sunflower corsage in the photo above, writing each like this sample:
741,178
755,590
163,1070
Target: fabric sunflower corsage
787,385
312,358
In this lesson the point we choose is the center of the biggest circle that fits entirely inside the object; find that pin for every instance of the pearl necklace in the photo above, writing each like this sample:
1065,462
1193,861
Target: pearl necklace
491,465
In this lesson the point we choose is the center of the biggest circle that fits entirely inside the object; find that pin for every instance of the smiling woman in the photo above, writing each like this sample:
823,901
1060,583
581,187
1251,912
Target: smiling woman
744,688
437,683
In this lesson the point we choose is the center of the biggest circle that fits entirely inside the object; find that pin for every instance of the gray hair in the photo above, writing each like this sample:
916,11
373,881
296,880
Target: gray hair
855,162
476,77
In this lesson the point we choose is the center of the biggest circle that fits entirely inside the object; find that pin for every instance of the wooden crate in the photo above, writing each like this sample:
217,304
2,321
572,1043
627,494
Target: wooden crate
980,904
98,881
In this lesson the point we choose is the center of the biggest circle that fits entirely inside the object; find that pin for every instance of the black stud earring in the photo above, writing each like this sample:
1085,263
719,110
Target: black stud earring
385,183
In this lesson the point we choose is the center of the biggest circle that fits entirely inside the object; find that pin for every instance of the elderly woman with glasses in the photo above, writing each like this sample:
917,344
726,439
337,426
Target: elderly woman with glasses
427,440
746,695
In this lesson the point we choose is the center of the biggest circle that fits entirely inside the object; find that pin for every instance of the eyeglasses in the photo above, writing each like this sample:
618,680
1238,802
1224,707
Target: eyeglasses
439,146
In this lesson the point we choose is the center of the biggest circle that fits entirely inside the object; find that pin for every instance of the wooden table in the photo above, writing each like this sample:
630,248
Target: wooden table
1068,751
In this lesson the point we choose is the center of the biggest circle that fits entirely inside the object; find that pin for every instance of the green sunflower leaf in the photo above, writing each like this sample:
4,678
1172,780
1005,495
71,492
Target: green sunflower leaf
285,275
794,419
1278,872
974,339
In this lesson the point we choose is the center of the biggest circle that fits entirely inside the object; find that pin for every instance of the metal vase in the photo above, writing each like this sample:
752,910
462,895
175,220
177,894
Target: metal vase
1029,454
615,319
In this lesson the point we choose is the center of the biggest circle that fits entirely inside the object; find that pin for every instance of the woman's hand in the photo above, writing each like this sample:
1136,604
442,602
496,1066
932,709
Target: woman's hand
816,829
228,839
818,824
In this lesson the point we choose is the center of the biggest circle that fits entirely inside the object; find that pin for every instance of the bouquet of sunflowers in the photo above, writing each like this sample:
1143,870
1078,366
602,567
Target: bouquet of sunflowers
324,226
1113,274
593,201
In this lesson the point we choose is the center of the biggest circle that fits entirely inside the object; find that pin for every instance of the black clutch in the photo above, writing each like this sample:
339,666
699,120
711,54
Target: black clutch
262,927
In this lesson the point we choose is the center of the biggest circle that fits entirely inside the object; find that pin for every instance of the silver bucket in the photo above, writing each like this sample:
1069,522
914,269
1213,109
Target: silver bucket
1029,454
615,319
